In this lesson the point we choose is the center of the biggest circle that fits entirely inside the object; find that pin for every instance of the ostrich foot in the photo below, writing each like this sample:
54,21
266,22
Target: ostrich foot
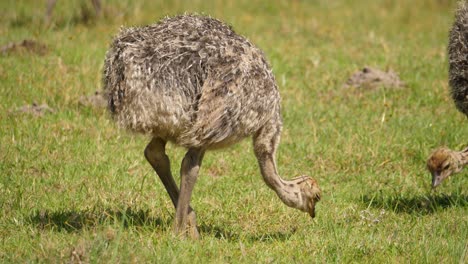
192,226
189,229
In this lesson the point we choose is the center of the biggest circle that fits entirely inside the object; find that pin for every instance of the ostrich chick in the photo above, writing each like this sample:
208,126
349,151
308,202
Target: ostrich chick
193,81
444,162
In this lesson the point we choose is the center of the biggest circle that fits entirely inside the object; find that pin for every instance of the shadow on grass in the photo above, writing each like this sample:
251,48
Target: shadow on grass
71,221
422,204
221,233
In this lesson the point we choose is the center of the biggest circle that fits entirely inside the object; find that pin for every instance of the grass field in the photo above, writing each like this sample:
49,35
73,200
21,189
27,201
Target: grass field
74,188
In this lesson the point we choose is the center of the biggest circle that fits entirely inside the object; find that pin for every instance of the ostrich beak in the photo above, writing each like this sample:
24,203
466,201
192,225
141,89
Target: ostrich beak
312,209
312,212
436,179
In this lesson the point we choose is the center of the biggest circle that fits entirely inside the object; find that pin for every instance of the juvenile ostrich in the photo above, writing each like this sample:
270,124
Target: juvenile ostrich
444,162
193,81
51,6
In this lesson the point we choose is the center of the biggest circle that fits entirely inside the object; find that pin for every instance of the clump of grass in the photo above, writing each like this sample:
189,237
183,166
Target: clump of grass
75,188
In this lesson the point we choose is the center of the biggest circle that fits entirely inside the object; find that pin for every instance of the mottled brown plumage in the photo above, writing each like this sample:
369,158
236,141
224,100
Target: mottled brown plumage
444,162
193,81
458,58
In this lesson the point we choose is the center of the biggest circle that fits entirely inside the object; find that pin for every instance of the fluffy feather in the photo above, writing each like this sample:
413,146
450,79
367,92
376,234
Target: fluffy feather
189,79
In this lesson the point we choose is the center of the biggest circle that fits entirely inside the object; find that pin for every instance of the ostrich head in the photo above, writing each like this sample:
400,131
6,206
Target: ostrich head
310,193
442,163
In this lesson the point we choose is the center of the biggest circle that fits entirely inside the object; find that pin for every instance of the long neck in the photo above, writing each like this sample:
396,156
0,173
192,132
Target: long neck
462,157
459,159
287,190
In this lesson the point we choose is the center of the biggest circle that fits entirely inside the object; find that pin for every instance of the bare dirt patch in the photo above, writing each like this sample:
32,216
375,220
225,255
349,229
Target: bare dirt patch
371,78
34,109
95,100
26,45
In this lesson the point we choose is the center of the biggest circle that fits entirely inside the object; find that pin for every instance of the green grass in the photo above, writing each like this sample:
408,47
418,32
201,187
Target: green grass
75,188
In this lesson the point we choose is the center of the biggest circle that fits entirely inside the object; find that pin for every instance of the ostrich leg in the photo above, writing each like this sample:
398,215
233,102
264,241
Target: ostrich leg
97,7
155,153
50,8
185,218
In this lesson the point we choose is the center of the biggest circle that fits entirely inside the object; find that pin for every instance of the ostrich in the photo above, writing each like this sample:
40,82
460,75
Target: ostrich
51,6
444,162
193,81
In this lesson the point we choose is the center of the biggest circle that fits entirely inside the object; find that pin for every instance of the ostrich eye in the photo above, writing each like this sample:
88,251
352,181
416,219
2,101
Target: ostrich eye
446,167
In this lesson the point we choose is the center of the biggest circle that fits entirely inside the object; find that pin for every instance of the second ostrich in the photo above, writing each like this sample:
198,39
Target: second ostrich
193,81
444,162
